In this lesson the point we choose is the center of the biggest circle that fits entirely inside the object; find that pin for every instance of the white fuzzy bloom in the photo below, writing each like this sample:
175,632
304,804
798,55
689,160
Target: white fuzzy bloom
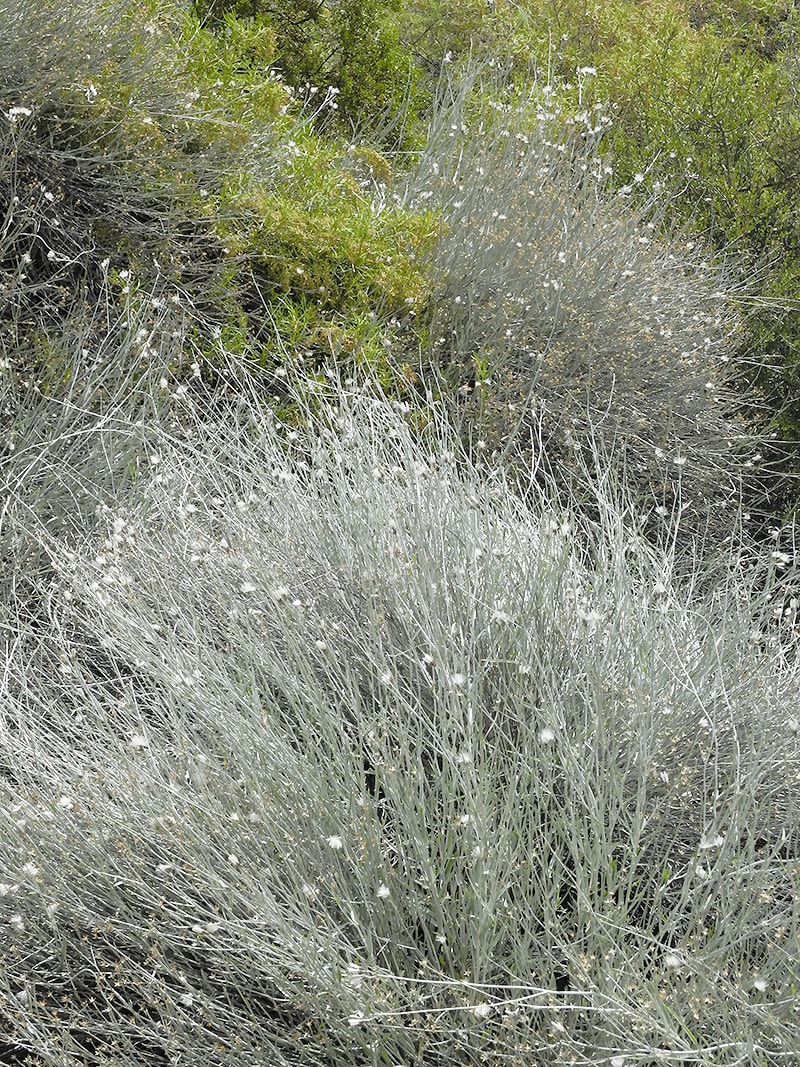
335,842
384,892
15,113
482,1011
206,928
546,736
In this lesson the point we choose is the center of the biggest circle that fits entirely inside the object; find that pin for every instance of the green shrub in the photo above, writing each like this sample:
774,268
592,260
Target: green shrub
350,46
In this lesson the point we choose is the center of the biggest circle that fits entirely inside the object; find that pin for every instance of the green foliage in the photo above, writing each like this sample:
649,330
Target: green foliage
350,46
232,78
336,250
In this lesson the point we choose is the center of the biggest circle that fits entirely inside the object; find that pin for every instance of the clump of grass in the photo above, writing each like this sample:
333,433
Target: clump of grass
72,427
335,750
102,177
561,305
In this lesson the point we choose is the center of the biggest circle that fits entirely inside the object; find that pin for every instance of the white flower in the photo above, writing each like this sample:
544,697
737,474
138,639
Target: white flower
335,842
91,93
247,587
482,1011
617,1061
498,615
458,680
15,113
233,860
308,890
206,928
139,742
710,842
672,960
546,735
384,892
30,869
280,593
17,922
386,677
67,803
760,984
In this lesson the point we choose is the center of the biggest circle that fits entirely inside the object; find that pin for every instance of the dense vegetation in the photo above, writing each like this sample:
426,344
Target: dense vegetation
398,592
